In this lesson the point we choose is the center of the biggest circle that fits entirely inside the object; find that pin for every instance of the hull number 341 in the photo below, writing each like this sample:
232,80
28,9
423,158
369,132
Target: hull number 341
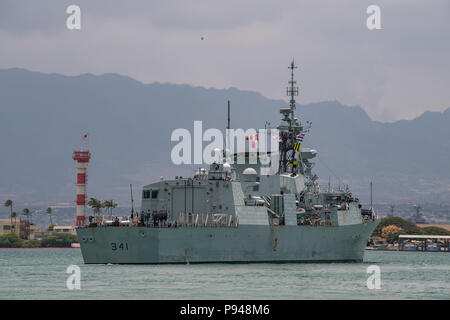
119,246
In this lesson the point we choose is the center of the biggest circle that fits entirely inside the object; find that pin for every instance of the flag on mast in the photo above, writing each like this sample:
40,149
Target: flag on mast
85,137
299,138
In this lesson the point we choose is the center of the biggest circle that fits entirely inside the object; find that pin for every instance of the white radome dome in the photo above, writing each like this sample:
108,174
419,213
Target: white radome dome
249,171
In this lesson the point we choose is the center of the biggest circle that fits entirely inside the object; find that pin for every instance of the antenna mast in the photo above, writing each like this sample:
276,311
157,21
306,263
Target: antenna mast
288,133
132,202
292,90
227,151
228,123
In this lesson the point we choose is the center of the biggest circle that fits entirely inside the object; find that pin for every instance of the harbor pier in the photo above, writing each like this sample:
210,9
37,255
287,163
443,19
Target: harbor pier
435,243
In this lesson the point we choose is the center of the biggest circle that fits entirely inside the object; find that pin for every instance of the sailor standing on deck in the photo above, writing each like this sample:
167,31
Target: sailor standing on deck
147,217
141,218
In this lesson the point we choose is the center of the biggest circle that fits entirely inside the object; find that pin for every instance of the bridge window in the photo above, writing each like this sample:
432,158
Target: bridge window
154,194
146,194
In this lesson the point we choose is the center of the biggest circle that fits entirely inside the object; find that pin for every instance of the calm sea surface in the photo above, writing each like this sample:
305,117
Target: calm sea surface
41,274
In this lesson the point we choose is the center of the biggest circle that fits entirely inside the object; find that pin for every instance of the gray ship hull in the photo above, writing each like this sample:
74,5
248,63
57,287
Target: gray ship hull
243,244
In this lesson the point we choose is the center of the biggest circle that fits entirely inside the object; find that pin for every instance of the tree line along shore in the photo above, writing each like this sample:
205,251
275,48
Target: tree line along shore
18,233
55,240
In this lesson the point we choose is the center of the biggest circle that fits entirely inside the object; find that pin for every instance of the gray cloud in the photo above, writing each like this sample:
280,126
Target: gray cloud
393,73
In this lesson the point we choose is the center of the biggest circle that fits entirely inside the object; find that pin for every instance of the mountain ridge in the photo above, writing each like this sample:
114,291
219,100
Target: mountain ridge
42,117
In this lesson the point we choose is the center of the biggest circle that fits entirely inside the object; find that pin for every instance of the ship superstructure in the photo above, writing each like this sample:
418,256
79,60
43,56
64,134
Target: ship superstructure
231,212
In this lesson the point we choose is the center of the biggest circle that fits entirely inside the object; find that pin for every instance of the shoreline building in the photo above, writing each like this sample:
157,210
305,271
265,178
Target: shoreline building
22,228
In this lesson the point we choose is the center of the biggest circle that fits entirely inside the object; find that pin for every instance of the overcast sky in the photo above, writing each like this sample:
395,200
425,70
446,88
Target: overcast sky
393,73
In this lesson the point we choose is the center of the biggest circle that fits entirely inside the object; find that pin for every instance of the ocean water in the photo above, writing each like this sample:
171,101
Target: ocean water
41,274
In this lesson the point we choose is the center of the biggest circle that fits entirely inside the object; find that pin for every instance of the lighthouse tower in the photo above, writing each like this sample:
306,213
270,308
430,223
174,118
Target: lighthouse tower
82,158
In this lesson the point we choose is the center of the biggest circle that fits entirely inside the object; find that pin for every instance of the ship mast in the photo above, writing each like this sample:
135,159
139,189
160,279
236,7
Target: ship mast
288,132
227,152
292,90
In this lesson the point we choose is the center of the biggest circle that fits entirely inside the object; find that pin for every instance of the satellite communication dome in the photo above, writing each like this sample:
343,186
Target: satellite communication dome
227,167
249,171
249,175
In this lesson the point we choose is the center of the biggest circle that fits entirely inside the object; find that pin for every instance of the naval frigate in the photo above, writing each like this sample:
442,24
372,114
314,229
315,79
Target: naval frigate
235,213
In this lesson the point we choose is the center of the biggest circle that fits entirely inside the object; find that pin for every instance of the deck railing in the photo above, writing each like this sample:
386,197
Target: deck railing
184,220
207,220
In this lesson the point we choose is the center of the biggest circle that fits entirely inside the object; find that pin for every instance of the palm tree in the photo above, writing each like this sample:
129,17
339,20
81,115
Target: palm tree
112,205
14,215
105,204
109,204
26,212
49,211
9,203
95,204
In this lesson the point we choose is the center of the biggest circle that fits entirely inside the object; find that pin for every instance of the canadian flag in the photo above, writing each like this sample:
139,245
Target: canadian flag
254,139
277,138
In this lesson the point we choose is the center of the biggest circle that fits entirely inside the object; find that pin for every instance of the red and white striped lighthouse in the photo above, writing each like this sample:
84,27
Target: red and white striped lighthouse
82,157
